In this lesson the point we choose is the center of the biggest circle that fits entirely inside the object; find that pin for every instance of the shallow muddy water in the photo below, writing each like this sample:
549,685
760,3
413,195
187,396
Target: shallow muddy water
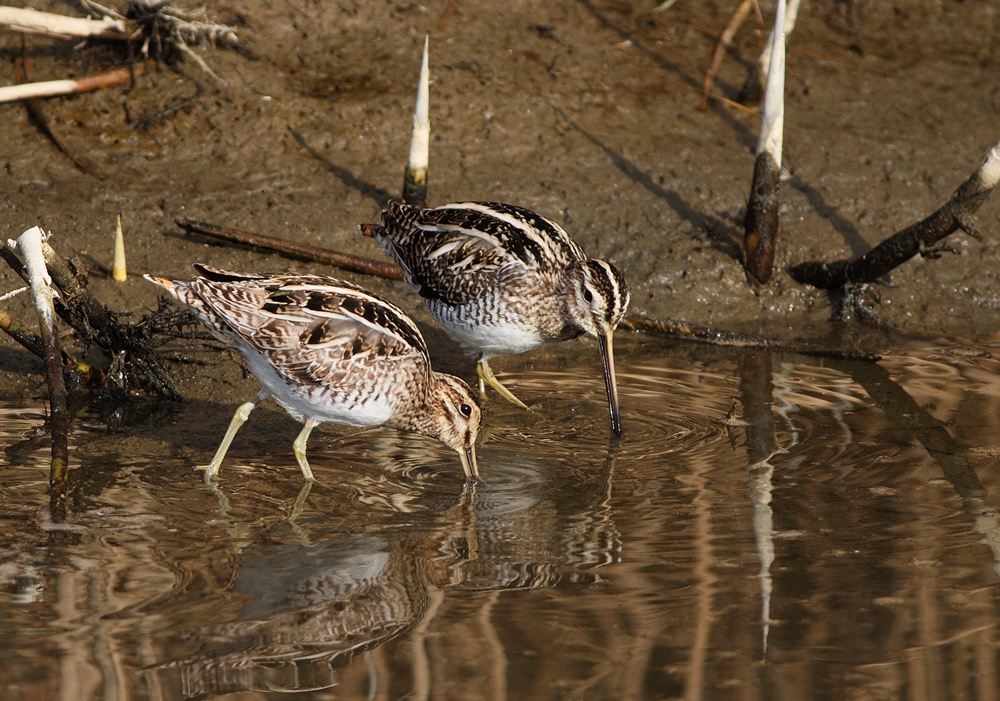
844,543
838,539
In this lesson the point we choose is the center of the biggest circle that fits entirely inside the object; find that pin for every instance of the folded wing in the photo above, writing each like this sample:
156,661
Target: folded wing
446,250
313,329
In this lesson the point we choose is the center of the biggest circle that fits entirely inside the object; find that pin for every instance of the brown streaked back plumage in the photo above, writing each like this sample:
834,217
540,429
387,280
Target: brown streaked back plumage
310,327
472,240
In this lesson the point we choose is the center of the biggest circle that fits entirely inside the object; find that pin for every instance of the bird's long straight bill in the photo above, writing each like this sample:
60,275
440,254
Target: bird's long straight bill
608,358
469,463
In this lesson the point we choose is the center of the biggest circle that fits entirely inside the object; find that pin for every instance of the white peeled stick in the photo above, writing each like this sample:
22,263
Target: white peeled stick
30,246
27,20
773,115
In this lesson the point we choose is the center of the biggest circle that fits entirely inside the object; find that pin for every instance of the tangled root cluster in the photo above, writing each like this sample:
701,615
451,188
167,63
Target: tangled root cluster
166,29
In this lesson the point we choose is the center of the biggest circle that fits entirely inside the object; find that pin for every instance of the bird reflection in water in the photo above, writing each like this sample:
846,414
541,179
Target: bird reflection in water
312,608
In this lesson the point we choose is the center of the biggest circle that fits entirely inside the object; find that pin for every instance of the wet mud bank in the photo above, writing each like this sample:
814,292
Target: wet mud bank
584,111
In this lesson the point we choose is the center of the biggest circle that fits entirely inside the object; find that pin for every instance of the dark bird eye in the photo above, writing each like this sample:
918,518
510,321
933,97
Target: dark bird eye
466,410
588,295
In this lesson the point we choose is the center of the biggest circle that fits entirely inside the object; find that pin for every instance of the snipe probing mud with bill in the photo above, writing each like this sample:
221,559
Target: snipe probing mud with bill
329,351
504,280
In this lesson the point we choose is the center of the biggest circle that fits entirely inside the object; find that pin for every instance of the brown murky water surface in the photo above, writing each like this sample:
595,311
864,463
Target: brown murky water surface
839,539
844,543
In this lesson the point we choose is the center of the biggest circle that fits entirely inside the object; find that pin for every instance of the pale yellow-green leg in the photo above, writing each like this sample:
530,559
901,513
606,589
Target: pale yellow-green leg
239,418
486,375
300,448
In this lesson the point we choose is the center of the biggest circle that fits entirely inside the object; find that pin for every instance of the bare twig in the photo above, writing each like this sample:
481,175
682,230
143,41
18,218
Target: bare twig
189,53
168,33
30,245
153,21
725,41
296,251
165,32
20,334
166,22
664,6
69,86
920,238
713,96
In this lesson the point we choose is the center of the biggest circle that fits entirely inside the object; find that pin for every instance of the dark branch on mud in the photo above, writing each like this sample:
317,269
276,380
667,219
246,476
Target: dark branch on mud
762,223
295,251
919,238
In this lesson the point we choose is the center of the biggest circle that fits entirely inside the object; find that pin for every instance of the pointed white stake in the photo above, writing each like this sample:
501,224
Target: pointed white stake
415,179
118,271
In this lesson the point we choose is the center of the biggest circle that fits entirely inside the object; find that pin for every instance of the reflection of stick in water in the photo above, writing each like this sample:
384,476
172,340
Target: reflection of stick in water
949,454
757,396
